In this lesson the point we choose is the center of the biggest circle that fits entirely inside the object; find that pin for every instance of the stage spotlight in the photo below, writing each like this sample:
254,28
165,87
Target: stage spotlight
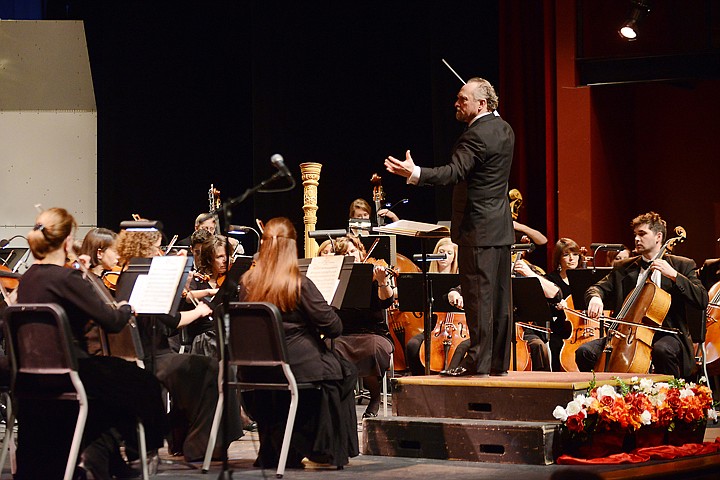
640,8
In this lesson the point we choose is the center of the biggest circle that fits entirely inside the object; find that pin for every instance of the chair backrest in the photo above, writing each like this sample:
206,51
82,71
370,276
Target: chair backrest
125,344
40,344
256,337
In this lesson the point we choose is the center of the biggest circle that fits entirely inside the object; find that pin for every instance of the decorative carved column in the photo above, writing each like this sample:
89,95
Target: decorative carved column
310,174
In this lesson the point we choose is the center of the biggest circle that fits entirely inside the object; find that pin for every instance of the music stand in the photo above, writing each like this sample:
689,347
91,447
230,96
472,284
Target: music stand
583,278
141,266
410,292
229,287
530,305
11,256
422,231
385,249
354,288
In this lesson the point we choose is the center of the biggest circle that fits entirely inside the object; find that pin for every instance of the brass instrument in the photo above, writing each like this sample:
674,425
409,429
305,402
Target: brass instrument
515,202
310,175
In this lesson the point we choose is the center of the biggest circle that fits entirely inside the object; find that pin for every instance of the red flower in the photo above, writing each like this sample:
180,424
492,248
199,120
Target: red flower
575,423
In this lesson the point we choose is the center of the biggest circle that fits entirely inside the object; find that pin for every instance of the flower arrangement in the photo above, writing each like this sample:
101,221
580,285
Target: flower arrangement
626,408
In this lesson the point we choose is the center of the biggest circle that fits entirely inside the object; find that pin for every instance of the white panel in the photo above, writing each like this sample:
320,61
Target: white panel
48,158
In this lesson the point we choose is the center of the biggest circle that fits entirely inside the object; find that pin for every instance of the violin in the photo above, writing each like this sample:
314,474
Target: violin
110,277
629,346
8,281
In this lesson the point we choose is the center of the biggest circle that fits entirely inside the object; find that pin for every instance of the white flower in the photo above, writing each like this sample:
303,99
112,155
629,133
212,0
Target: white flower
560,413
703,380
646,384
686,392
646,418
712,414
606,391
574,407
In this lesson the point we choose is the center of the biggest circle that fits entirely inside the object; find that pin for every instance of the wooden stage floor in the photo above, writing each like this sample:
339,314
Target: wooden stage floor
242,453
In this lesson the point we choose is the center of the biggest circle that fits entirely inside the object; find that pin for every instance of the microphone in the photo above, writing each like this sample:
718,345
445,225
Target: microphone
6,241
404,200
612,247
327,233
522,247
279,163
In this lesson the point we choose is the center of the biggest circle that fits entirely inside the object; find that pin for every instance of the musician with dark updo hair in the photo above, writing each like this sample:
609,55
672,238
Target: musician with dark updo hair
118,390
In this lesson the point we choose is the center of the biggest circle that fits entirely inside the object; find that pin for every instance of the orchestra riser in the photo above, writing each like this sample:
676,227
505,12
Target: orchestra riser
496,419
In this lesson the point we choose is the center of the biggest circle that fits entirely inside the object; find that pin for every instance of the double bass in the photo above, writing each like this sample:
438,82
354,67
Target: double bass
629,345
402,325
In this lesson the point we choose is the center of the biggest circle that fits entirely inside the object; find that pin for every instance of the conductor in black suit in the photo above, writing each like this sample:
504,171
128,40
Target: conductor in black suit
481,223
672,353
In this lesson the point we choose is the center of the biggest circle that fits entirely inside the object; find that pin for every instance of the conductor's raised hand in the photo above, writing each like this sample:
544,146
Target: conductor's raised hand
404,168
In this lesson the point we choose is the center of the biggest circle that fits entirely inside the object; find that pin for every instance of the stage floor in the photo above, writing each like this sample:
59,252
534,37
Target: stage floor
243,452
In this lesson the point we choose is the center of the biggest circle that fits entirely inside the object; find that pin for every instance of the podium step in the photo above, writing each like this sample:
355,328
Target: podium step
460,439
520,396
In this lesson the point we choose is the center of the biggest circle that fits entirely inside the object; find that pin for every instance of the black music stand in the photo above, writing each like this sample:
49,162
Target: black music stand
229,287
530,306
385,248
422,231
410,292
354,289
11,256
583,278
126,283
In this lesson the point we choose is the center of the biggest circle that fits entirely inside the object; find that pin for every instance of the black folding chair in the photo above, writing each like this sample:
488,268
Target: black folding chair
40,348
257,340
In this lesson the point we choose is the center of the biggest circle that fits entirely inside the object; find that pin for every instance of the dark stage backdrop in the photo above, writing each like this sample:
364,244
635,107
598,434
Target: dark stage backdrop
193,93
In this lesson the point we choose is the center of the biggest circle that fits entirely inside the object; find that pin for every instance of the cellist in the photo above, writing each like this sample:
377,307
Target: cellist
672,354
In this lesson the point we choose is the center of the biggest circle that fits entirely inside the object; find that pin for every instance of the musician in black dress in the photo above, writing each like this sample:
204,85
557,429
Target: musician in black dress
192,380
325,427
365,339
118,390
672,354
566,256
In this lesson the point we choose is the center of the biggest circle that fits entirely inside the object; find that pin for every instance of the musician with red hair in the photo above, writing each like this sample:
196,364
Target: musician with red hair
325,427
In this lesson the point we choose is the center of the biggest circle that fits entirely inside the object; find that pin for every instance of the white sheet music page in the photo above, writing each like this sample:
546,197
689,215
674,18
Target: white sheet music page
154,293
325,274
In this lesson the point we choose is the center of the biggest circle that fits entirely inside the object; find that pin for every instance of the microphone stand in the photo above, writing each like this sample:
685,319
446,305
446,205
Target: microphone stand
226,473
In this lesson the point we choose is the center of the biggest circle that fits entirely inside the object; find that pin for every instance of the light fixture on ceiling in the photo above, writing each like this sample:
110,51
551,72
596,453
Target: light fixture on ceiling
640,8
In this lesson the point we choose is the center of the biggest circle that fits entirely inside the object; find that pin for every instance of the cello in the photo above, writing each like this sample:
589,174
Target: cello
712,329
444,340
631,332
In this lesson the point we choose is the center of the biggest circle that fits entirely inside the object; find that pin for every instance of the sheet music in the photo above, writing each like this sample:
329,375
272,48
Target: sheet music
154,293
415,229
325,274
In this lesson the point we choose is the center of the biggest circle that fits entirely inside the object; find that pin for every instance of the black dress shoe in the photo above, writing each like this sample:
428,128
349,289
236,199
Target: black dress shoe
369,414
499,374
456,372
